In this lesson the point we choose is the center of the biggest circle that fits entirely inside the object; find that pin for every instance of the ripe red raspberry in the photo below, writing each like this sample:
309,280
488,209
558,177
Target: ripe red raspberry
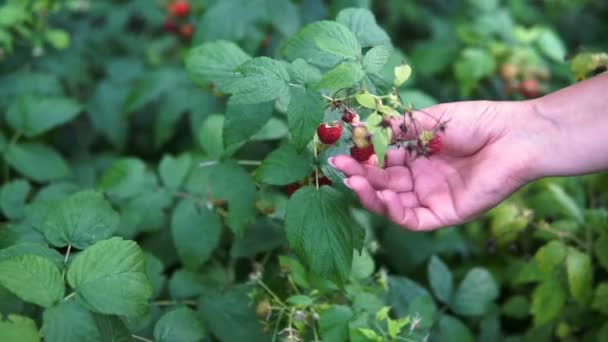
362,154
435,145
180,8
291,188
186,31
529,88
324,181
170,26
349,116
329,134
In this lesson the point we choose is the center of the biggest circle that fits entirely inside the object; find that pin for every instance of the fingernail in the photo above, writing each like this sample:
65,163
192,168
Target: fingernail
330,161
346,183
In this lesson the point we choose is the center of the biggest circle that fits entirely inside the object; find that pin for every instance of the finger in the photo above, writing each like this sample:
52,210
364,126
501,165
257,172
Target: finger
366,193
409,199
417,219
348,165
396,157
398,178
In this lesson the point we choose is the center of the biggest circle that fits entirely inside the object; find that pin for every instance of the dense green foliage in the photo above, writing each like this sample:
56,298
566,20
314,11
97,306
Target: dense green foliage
147,174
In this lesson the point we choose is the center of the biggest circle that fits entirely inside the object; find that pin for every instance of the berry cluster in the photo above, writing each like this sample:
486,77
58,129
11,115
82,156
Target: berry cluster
177,21
523,79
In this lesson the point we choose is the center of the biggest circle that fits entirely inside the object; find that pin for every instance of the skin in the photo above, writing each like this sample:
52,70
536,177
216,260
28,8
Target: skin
490,150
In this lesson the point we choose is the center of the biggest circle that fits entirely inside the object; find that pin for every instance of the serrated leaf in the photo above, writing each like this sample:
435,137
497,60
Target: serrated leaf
304,113
80,220
196,233
262,236
304,73
548,300
242,121
179,325
18,328
261,79
321,231
578,268
124,178
32,278
32,248
59,323
323,43
12,198
109,277
402,74
34,116
215,63
441,279
403,292
376,58
112,328
285,165
367,100
550,256
38,162
173,170
476,291
363,24
345,75
333,323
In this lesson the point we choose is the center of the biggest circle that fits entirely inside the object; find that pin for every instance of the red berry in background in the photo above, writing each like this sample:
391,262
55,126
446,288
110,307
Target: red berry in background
324,181
186,31
291,188
362,154
529,88
349,116
180,8
435,145
329,134
170,26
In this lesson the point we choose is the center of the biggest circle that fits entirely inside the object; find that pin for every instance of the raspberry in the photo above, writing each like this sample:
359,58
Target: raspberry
349,116
529,88
324,181
361,136
362,154
186,31
435,145
329,134
291,188
180,8
170,26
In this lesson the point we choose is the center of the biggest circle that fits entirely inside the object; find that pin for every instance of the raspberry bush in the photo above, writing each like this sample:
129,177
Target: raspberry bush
166,173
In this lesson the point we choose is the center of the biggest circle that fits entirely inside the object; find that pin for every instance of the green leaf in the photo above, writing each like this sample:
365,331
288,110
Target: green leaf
69,322
403,292
345,75
425,309
125,178
80,220
215,63
173,170
210,136
363,265
321,231
196,233
550,256
32,248
417,98
441,279
58,38
154,270
548,300
323,43
333,323
473,65
304,73
34,116
363,24
300,300
285,165
452,329
262,236
578,267
600,298
38,162
179,325
213,24
517,307
375,59
288,22
552,45
234,184
566,202
367,100
274,129
231,315
12,198
109,277
112,328
151,86
476,291
261,79
105,109
242,121
18,328
32,278
402,74
601,250
304,113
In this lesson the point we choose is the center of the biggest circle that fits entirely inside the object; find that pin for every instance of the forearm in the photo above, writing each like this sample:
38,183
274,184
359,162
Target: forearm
569,129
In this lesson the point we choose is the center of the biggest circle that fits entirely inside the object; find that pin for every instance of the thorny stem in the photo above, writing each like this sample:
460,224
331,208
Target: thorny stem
137,337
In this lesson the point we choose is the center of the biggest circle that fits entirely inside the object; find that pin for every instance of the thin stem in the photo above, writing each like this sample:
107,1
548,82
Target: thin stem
67,254
272,294
562,235
137,337
296,85
314,144
70,295
278,323
174,302
314,330
240,162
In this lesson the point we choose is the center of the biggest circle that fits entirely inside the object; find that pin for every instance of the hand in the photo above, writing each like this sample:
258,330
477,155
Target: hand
485,158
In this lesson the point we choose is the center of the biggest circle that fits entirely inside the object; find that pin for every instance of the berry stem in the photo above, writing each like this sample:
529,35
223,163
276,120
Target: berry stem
314,146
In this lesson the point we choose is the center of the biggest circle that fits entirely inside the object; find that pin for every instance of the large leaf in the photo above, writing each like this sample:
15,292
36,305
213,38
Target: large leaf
321,230
578,267
124,178
441,279
363,24
109,277
403,292
476,291
37,161
345,75
550,256
304,113
600,298
173,170
375,59
32,248
32,278
262,236
34,116
179,325
261,79
285,165
80,220
12,198
333,323
216,63
242,121
18,328
452,329
548,300
196,233
69,322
